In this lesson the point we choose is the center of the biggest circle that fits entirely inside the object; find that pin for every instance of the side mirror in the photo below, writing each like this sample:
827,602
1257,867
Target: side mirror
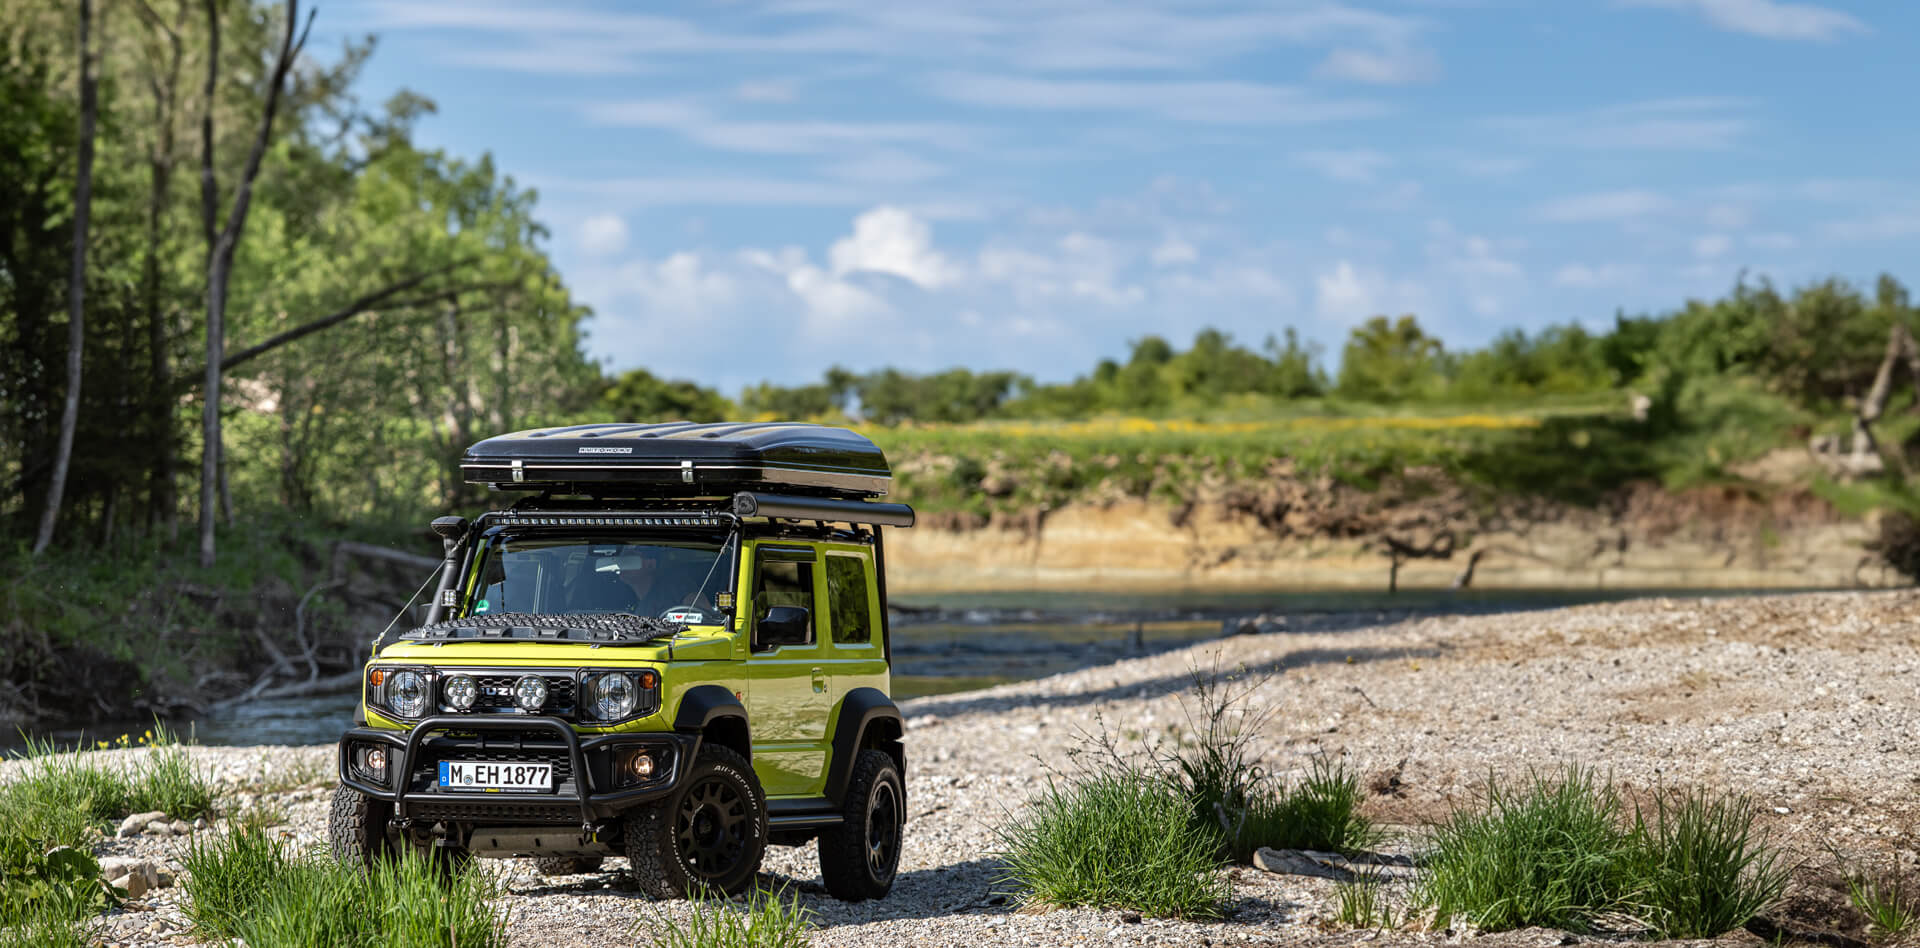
784,625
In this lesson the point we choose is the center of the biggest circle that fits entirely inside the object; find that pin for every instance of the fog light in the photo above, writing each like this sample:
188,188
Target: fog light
640,765
530,693
461,690
376,760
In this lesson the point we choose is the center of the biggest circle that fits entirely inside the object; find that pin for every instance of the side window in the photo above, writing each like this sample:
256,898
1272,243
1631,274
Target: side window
847,598
781,582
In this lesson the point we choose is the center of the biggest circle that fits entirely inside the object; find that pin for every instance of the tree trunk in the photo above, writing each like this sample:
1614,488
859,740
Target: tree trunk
76,288
222,246
164,88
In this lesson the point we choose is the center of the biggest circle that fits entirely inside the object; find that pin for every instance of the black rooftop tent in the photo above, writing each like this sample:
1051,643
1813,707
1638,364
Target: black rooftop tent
682,459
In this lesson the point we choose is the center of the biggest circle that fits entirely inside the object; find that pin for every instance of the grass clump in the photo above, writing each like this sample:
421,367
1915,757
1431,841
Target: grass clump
1890,903
1562,853
1698,868
766,920
246,885
1319,813
1362,903
1551,853
1115,838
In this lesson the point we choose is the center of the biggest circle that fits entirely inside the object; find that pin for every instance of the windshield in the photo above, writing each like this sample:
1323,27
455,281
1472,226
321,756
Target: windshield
677,580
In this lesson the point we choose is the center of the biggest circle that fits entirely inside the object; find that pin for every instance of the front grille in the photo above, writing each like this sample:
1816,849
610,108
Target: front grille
492,812
496,694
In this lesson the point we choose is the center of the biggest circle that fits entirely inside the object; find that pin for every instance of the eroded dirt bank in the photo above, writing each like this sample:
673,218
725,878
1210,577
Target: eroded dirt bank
1295,534
1805,702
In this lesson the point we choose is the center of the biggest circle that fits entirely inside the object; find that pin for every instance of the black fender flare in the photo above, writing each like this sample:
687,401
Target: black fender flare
862,711
704,706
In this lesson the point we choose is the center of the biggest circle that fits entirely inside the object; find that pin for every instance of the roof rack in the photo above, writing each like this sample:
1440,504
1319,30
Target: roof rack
546,511
681,459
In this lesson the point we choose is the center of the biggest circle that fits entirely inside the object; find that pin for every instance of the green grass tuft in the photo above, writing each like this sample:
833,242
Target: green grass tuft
1362,903
1551,853
1115,839
1890,903
765,920
246,885
1320,813
1698,868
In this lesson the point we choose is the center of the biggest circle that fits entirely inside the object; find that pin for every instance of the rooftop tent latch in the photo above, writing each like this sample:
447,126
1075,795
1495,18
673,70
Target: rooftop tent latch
519,470
686,472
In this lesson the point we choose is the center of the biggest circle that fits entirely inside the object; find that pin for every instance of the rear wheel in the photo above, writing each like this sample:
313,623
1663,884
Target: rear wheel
566,865
859,858
357,827
709,834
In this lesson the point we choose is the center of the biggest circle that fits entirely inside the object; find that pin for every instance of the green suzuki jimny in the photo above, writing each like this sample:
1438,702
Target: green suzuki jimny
672,648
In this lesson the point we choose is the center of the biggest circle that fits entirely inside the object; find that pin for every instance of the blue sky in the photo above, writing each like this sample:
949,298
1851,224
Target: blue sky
756,189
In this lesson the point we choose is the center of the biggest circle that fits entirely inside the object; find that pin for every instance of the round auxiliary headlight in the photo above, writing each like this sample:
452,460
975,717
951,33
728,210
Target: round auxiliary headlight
530,692
407,693
613,695
461,691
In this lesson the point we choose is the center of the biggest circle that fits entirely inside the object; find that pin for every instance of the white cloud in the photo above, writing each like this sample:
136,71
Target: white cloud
1604,206
887,166
1712,246
1395,67
767,90
1772,241
603,235
1728,217
796,137
1684,124
1768,18
1343,295
1583,277
892,240
668,190
1227,102
1173,252
1353,164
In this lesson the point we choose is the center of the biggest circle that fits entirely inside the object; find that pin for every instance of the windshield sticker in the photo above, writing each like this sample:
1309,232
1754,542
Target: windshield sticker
685,616
480,606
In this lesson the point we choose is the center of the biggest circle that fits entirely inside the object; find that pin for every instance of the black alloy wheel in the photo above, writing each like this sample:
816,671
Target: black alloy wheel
860,857
711,827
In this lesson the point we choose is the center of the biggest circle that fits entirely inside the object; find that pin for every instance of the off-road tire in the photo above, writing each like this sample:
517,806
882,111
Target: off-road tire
860,857
357,827
720,804
567,865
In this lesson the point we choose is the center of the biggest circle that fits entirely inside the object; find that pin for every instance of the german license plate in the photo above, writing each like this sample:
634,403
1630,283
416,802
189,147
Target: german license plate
486,775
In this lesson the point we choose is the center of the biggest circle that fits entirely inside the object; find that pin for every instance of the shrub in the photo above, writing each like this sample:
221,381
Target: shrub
167,781
1698,868
1114,838
1548,853
1319,813
767,920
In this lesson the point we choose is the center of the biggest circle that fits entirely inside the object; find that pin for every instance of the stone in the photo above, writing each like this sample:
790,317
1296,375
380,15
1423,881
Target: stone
1306,862
135,884
181,828
159,828
135,824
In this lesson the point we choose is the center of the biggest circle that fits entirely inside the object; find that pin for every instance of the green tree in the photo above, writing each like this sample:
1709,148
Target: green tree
1390,361
637,395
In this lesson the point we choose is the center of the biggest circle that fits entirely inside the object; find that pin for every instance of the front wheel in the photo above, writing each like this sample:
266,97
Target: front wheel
859,858
707,835
357,827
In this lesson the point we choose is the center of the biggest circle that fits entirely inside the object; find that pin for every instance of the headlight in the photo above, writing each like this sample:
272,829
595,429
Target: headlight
407,693
530,692
461,691
613,695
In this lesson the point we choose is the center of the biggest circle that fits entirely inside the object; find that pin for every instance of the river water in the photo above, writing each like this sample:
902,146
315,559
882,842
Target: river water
951,642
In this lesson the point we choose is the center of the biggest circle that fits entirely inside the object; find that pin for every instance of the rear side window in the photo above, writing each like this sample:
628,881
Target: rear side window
852,610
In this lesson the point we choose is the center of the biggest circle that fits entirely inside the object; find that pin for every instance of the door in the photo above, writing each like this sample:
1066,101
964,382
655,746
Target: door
856,656
789,688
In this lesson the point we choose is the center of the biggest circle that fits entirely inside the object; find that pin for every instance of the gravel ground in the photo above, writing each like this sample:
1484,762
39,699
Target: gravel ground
1805,702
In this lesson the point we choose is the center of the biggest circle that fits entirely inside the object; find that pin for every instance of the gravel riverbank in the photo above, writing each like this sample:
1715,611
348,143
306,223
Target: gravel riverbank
1806,702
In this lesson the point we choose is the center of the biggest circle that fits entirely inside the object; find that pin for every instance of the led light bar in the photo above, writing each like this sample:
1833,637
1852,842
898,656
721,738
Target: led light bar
621,519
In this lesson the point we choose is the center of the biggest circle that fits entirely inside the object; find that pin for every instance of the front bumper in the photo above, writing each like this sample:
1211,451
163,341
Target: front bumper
588,787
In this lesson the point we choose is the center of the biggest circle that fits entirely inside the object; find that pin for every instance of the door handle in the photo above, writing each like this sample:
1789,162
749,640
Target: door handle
819,681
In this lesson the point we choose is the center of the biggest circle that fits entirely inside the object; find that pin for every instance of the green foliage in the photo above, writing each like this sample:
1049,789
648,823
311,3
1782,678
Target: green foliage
1698,868
1551,853
1391,361
246,885
1114,839
1362,903
1560,853
766,920
1887,898
638,396
1320,813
